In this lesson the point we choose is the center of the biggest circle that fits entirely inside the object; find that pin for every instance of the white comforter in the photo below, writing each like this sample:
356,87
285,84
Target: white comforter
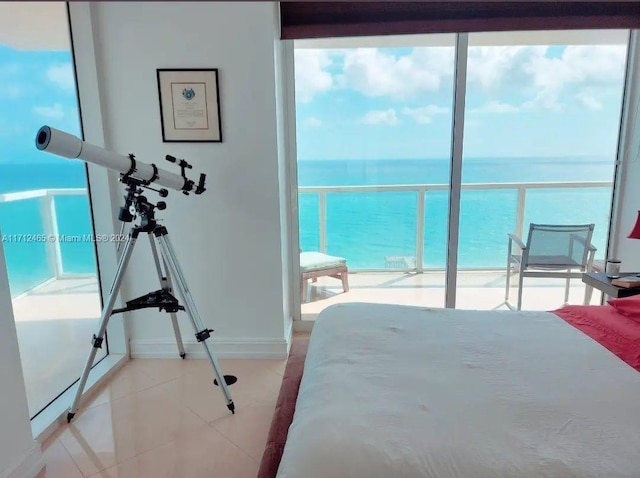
395,392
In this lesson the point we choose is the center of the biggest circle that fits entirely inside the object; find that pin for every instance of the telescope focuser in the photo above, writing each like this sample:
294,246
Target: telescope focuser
189,184
200,189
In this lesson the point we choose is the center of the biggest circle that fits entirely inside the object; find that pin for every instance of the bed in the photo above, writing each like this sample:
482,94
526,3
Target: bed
397,391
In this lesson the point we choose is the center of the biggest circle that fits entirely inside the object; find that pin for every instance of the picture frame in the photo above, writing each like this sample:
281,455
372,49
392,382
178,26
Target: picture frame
189,101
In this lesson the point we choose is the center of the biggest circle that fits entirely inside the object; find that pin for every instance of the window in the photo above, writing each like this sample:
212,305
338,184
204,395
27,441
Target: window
45,216
373,120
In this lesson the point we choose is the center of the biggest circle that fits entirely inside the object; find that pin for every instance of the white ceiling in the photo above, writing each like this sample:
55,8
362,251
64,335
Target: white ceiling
34,25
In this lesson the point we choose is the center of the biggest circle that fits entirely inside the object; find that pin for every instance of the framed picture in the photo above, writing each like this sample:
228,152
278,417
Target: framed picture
189,105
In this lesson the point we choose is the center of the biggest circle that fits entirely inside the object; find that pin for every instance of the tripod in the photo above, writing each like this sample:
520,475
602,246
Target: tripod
137,205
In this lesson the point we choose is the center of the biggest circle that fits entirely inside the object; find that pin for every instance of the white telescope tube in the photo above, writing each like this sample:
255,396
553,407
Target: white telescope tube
66,145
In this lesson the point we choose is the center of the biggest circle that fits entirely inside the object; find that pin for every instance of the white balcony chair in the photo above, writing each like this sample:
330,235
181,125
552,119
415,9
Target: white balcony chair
318,264
552,251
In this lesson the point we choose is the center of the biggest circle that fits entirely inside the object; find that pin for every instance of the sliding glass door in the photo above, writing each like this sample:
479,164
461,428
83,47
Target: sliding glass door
419,206
45,216
373,121
542,115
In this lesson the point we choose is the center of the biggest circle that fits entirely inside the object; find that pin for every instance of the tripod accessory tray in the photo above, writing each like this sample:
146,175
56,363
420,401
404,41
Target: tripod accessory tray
162,299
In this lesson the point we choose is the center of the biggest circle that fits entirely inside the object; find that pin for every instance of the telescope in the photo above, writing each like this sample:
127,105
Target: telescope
138,176
66,145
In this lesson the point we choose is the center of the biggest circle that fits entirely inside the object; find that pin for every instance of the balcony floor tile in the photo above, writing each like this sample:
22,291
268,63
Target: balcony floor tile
483,290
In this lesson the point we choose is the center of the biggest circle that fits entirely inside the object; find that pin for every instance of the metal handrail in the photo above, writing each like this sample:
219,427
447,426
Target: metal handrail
422,189
39,193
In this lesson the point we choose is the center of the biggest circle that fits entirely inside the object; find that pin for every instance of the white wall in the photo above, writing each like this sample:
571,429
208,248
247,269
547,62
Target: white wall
20,455
229,239
103,182
627,203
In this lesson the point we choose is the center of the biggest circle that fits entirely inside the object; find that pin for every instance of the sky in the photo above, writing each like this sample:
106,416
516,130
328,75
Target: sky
36,88
396,103
384,103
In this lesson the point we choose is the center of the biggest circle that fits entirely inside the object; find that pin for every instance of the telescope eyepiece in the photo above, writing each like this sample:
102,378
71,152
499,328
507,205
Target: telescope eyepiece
170,158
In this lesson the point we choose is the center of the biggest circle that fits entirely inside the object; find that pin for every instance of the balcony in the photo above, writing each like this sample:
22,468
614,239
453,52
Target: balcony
401,274
56,302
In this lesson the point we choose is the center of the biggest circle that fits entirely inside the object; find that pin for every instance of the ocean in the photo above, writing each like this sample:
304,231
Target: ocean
367,227
362,227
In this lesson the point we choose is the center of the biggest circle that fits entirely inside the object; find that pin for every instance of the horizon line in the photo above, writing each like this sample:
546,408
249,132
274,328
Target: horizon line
439,158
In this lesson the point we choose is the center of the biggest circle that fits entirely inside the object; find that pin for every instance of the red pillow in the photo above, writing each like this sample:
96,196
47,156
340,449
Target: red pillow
627,306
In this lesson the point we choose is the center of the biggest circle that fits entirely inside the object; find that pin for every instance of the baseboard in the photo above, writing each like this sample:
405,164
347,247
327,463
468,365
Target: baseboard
289,334
238,348
28,466
303,326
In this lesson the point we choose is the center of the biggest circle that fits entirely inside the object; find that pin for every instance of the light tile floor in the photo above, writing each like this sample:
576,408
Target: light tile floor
68,309
55,323
165,418
481,290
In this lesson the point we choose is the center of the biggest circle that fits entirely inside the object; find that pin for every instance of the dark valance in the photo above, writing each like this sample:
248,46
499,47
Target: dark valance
339,19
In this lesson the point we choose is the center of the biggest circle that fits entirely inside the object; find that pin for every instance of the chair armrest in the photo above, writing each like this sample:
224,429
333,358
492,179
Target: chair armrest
517,240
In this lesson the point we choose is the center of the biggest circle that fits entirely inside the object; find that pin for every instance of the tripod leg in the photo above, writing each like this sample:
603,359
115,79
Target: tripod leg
104,319
202,333
165,283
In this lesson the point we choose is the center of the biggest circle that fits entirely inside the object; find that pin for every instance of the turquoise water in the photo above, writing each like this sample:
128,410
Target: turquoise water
366,227
27,259
363,227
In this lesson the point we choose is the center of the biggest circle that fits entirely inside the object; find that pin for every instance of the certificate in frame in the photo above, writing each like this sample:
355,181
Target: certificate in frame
189,105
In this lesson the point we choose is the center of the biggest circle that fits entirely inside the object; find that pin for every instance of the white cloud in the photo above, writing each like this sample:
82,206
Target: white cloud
50,112
588,97
491,68
494,106
549,81
388,117
424,114
376,73
313,121
593,67
311,74
595,63
532,77
62,76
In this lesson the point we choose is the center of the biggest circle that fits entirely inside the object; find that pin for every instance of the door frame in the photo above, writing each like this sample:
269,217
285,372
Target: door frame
455,167
456,164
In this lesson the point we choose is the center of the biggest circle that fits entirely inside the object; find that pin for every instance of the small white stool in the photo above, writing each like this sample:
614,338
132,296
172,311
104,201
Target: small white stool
317,264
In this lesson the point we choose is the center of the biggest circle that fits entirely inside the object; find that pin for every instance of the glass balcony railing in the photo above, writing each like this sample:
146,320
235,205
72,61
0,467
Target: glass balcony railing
46,235
404,227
